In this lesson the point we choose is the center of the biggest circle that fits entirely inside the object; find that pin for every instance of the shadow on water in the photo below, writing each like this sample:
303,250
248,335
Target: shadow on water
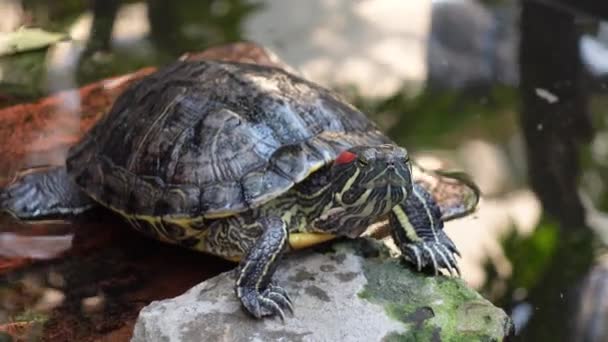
557,287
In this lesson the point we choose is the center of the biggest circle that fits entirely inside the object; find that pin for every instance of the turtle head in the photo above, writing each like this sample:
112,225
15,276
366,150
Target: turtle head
377,176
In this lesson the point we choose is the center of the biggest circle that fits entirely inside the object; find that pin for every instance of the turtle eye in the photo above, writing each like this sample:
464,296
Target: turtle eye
362,162
345,157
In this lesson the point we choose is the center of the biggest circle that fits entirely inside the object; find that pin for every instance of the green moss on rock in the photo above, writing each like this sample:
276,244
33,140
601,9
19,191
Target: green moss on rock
432,308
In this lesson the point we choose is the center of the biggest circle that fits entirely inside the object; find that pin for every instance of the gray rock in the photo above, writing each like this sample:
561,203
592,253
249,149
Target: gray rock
339,295
472,44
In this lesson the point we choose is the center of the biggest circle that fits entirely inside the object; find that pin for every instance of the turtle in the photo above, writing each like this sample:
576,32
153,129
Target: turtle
246,162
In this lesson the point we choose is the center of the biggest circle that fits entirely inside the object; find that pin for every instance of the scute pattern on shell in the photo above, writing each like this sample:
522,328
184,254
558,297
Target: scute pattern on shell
213,138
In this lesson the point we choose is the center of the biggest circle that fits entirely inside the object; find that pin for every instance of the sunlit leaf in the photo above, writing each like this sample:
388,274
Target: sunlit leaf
27,39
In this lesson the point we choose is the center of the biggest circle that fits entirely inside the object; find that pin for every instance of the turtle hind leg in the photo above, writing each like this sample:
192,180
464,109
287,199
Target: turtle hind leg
254,286
42,193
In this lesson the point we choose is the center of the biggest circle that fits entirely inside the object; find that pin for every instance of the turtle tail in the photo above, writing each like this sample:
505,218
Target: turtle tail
42,193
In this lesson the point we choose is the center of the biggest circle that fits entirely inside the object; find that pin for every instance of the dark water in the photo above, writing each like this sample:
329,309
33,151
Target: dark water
512,93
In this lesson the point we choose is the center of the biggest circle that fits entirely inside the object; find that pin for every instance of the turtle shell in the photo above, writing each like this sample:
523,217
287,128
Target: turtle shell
213,138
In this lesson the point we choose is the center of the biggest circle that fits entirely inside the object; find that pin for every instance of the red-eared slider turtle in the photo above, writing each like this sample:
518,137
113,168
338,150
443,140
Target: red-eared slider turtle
246,162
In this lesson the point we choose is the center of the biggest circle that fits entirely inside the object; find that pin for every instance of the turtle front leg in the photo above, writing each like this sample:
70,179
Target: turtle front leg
417,229
254,286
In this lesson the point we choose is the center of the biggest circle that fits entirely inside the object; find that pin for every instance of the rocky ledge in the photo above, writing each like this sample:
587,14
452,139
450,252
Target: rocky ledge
351,291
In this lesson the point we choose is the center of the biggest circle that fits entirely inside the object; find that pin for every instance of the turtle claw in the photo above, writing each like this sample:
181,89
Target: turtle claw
448,244
272,308
270,302
435,255
280,296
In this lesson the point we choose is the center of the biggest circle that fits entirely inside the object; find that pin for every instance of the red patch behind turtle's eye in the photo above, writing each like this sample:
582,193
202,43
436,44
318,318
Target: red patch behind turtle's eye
346,157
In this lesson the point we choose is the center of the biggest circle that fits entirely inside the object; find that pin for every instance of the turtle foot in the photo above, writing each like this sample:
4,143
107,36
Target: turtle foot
43,192
271,301
436,255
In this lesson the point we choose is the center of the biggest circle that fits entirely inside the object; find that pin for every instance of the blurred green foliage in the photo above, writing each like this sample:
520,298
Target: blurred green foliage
441,118
530,255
